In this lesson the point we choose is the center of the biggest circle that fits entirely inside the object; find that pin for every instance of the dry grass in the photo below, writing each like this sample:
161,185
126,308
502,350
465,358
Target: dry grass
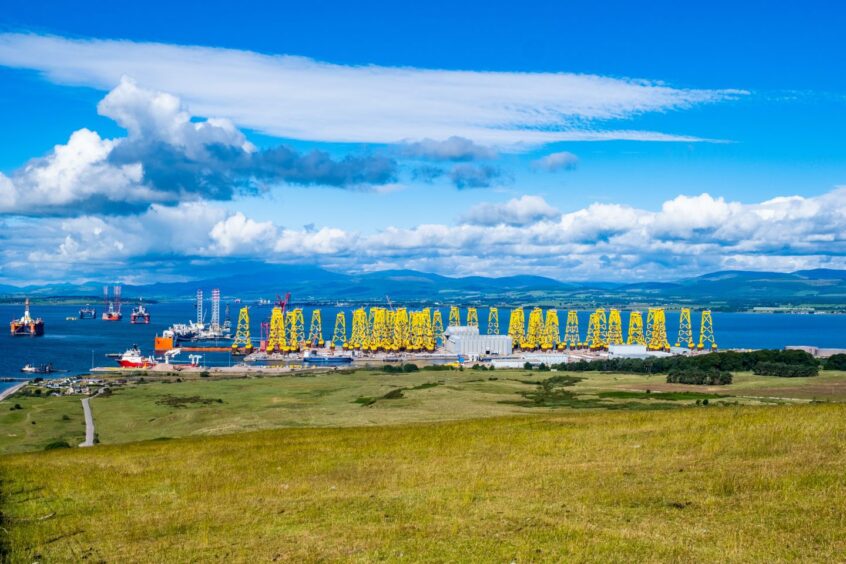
733,483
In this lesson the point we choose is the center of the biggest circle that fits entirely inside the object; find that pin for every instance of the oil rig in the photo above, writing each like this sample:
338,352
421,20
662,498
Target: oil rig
112,306
27,326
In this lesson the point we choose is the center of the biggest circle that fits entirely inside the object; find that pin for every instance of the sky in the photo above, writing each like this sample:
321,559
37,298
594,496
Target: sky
602,141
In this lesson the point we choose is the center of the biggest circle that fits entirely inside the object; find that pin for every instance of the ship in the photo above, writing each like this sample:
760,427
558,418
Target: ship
27,326
38,369
87,312
112,312
139,315
132,358
326,360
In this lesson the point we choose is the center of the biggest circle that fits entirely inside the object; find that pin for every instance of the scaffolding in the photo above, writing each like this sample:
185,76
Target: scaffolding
276,340
658,340
315,330
517,326
615,328
685,338
635,336
454,316
706,331
339,335
472,317
493,321
572,339
242,341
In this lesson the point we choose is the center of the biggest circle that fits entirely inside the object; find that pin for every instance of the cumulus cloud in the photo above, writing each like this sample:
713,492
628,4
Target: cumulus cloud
687,235
555,162
454,149
363,103
518,211
467,175
167,157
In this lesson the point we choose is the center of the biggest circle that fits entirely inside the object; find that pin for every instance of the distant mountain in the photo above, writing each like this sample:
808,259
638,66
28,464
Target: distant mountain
250,281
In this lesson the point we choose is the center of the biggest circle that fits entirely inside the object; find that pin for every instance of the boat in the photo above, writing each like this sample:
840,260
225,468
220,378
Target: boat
39,369
132,358
71,318
87,312
139,315
27,326
326,360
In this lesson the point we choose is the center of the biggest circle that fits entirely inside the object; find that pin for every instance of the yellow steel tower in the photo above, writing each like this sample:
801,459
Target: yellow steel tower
659,332
636,329
650,324
615,328
360,336
437,327
685,329
602,322
472,317
339,336
517,326
454,316
534,333
402,330
429,341
706,331
242,340
551,330
315,330
493,321
594,332
276,341
572,339
296,329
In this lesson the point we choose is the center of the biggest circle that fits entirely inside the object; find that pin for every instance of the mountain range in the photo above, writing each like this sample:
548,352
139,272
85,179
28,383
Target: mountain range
724,289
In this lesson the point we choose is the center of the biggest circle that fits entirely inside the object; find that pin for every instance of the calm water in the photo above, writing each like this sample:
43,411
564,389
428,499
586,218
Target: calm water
75,345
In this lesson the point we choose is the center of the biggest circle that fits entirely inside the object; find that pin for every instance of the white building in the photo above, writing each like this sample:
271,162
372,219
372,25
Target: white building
465,340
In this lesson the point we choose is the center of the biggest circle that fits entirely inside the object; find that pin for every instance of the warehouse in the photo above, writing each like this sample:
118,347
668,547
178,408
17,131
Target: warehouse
466,340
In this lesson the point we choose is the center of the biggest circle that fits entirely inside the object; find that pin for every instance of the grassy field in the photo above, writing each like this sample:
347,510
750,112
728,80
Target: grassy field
170,409
713,483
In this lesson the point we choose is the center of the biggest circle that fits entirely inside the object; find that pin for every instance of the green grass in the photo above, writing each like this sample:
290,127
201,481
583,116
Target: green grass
717,483
211,406
39,422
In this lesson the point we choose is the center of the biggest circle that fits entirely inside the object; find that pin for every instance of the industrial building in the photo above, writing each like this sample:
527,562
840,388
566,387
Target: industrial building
466,340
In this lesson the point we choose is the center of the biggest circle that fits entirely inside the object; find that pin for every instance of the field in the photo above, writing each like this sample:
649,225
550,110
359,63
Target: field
170,409
716,483
434,466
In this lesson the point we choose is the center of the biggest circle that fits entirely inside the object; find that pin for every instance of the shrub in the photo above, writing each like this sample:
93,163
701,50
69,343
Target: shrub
57,444
410,368
784,370
204,374
699,377
836,362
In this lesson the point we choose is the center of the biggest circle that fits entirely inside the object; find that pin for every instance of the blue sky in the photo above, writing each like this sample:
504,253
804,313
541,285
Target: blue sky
581,140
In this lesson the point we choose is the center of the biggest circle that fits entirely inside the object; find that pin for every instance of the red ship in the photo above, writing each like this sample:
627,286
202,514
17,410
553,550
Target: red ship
132,359
26,325
139,315
112,312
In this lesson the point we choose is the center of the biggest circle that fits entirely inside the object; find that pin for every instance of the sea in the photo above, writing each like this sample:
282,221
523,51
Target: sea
75,345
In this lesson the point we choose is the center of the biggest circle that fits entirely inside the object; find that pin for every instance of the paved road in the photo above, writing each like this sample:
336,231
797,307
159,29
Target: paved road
89,423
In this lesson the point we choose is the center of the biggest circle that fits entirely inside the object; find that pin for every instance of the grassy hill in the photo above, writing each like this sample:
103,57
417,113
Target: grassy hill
731,483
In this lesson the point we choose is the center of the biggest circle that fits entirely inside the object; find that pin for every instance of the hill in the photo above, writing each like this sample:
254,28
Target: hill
706,484
250,280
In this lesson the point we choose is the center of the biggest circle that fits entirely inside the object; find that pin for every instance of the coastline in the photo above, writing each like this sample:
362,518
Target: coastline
11,391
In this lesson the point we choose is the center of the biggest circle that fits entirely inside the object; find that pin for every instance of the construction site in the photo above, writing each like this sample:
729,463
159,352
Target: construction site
388,333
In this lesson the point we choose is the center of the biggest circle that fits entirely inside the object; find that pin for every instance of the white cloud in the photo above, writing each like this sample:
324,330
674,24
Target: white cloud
167,157
555,162
300,98
450,149
687,235
518,211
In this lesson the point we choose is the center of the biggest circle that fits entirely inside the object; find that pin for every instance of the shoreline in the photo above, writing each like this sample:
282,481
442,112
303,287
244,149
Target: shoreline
9,392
